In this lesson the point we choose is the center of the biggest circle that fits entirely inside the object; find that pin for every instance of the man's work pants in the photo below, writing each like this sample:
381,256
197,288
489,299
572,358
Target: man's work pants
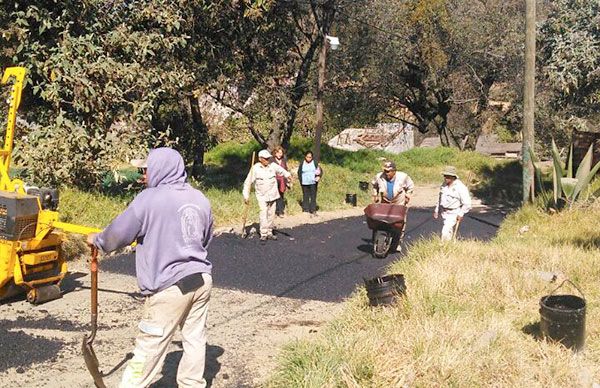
164,312
266,217
450,217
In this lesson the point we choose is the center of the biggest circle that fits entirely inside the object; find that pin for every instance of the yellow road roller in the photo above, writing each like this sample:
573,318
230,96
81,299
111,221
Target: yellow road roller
31,260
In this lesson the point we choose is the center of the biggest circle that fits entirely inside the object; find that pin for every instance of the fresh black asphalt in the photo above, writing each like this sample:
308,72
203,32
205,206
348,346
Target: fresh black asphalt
324,261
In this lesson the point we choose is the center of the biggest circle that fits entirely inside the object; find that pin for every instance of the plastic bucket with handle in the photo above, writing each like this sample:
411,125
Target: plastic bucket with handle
385,290
563,318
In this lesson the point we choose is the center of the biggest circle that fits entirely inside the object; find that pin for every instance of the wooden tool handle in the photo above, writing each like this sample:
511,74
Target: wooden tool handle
94,286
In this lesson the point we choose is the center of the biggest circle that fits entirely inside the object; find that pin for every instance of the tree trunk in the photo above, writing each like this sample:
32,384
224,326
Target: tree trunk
200,137
257,136
320,86
529,101
274,138
297,93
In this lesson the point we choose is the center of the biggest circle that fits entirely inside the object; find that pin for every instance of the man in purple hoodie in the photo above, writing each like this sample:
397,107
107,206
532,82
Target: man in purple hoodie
172,224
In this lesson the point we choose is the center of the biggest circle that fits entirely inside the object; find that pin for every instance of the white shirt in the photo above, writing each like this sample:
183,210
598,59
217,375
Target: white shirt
454,197
265,181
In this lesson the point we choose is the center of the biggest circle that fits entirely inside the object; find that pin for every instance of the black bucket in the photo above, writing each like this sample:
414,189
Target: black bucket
351,199
385,290
364,186
563,318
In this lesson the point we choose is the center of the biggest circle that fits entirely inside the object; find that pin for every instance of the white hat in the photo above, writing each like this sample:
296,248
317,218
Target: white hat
139,163
450,171
265,154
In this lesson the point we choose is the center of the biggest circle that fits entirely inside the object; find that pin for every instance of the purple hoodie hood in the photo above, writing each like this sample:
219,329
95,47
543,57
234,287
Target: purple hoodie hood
165,167
170,220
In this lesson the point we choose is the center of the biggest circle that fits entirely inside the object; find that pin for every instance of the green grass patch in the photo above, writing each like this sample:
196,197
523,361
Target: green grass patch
470,317
90,208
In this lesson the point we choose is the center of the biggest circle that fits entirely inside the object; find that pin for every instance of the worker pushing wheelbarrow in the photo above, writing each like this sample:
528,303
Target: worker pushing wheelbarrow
386,217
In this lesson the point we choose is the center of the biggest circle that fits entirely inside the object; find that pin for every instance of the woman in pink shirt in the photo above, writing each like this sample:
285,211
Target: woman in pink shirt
282,183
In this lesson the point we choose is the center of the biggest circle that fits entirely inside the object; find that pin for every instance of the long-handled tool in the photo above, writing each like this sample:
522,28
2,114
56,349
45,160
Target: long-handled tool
455,231
91,361
247,205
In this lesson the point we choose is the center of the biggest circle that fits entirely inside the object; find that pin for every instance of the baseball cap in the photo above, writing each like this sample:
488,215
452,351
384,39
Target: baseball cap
265,154
389,166
139,163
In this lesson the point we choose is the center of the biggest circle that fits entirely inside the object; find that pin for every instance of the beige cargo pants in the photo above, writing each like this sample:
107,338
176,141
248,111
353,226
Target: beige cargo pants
164,313
450,218
266,217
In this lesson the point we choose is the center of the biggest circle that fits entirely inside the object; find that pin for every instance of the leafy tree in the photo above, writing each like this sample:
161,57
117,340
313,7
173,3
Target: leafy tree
108,79
271,76
92,65
436,58
570,58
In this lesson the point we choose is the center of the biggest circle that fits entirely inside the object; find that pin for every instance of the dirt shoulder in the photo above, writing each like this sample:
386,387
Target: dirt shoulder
41,345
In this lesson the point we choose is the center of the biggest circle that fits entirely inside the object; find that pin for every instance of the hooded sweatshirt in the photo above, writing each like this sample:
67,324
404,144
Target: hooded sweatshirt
171,222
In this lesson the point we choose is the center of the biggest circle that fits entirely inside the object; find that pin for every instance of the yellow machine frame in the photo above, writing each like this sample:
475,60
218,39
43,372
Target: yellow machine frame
35,264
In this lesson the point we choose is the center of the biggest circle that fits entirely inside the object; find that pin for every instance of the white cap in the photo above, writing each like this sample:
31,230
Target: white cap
139,163
265,154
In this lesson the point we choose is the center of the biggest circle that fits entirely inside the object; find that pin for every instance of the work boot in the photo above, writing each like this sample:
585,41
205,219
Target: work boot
271,237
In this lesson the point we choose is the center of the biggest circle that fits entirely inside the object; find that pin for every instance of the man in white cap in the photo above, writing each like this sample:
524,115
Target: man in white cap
264,177
453,203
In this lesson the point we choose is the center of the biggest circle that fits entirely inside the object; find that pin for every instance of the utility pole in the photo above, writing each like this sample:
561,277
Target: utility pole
529,102
320,87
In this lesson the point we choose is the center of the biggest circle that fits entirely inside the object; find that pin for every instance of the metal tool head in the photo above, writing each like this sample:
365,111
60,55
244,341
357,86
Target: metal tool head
91,361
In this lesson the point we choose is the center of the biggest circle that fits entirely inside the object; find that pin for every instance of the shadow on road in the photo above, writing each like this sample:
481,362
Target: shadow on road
169,371
324,261
21,350
501,185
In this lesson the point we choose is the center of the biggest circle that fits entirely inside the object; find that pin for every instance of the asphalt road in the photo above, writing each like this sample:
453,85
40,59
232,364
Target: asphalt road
323,261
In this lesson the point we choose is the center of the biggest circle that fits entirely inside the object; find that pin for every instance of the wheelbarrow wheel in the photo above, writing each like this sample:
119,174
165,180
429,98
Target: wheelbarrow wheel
381,244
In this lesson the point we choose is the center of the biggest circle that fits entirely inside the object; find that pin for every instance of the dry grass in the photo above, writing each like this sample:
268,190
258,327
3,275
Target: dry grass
470,317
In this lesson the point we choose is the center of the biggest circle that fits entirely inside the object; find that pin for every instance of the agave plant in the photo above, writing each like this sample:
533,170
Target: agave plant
566,187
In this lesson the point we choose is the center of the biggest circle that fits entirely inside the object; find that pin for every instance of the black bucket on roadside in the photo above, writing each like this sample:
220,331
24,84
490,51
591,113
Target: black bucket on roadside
385,290
351,199
563,319
364,186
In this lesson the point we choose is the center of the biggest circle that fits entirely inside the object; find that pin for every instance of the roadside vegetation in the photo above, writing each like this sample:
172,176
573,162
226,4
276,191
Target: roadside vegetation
164,73
470,316
228,163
